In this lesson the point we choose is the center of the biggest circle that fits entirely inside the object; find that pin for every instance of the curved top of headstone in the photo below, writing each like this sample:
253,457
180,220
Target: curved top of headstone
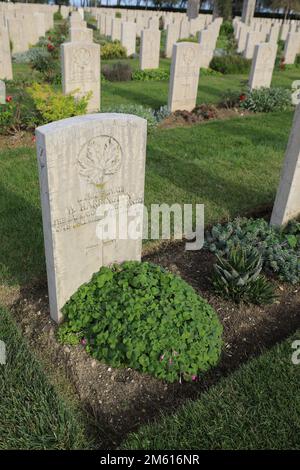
88,119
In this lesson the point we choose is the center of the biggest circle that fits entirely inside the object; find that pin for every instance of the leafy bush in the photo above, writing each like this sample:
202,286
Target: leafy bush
113,50
231,64
57,16
137,110
231,99
280,249
139,315
53,106
227,29
161,113
237,277
117,72
151,75
18,113
27,56
47,65
264,100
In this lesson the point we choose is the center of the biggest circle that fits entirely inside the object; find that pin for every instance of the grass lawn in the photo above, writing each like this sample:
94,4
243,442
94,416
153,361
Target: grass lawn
257,407
32,415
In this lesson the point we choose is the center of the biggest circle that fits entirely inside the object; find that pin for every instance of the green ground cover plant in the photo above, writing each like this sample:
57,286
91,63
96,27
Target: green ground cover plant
139,315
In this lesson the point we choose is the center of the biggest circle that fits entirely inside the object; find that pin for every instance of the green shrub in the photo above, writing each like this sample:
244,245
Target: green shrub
237,277
227,29
161,113
118,72
231,64
47,65
280,249
57,16
264,100
53,106
137,110
139,315
113,50
18,113
231,99
28,56
151,75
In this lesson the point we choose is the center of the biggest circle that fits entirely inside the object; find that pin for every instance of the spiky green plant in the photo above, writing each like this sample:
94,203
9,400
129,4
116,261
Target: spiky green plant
237,277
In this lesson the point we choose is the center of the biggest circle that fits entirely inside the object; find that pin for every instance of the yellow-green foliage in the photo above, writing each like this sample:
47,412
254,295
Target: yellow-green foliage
53,105
113,50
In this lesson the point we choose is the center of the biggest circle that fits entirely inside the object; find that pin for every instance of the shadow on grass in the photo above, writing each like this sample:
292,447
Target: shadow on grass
21,235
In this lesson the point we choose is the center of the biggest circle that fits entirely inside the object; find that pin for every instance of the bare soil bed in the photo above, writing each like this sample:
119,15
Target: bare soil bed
120,400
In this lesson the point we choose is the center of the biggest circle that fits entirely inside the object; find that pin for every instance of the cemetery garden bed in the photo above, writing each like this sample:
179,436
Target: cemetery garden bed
201,114
118,401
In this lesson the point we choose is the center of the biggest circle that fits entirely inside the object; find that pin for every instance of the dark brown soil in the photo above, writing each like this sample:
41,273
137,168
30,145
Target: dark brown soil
200,115
120,400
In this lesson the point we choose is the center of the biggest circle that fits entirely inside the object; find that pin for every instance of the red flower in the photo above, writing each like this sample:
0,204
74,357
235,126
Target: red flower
243,97
33,139
49,38
50,47
8,99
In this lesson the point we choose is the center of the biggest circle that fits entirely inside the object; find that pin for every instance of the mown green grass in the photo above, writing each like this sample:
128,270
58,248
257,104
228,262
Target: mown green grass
257,407
32,415
230,166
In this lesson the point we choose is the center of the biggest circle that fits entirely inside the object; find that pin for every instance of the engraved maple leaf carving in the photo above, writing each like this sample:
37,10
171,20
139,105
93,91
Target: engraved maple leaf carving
102,158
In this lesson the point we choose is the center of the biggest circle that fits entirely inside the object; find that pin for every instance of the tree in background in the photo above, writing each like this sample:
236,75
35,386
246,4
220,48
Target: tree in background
287,5
224,8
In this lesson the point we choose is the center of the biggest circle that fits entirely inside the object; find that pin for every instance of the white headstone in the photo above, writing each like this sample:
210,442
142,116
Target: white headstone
81,35
172,37
184,76
248,11
2,92
128,37
292,47
262,65
5,56
287,202
85,162
149,49
81,71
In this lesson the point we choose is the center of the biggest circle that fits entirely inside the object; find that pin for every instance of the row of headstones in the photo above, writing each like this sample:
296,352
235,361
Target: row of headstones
110,25
21,25
26,23
81,63
250,36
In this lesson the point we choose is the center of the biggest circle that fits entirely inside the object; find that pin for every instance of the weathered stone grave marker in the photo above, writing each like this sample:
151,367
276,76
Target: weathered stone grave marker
184,76
262,65
81,71
287,202
2,92
85,162
150,48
